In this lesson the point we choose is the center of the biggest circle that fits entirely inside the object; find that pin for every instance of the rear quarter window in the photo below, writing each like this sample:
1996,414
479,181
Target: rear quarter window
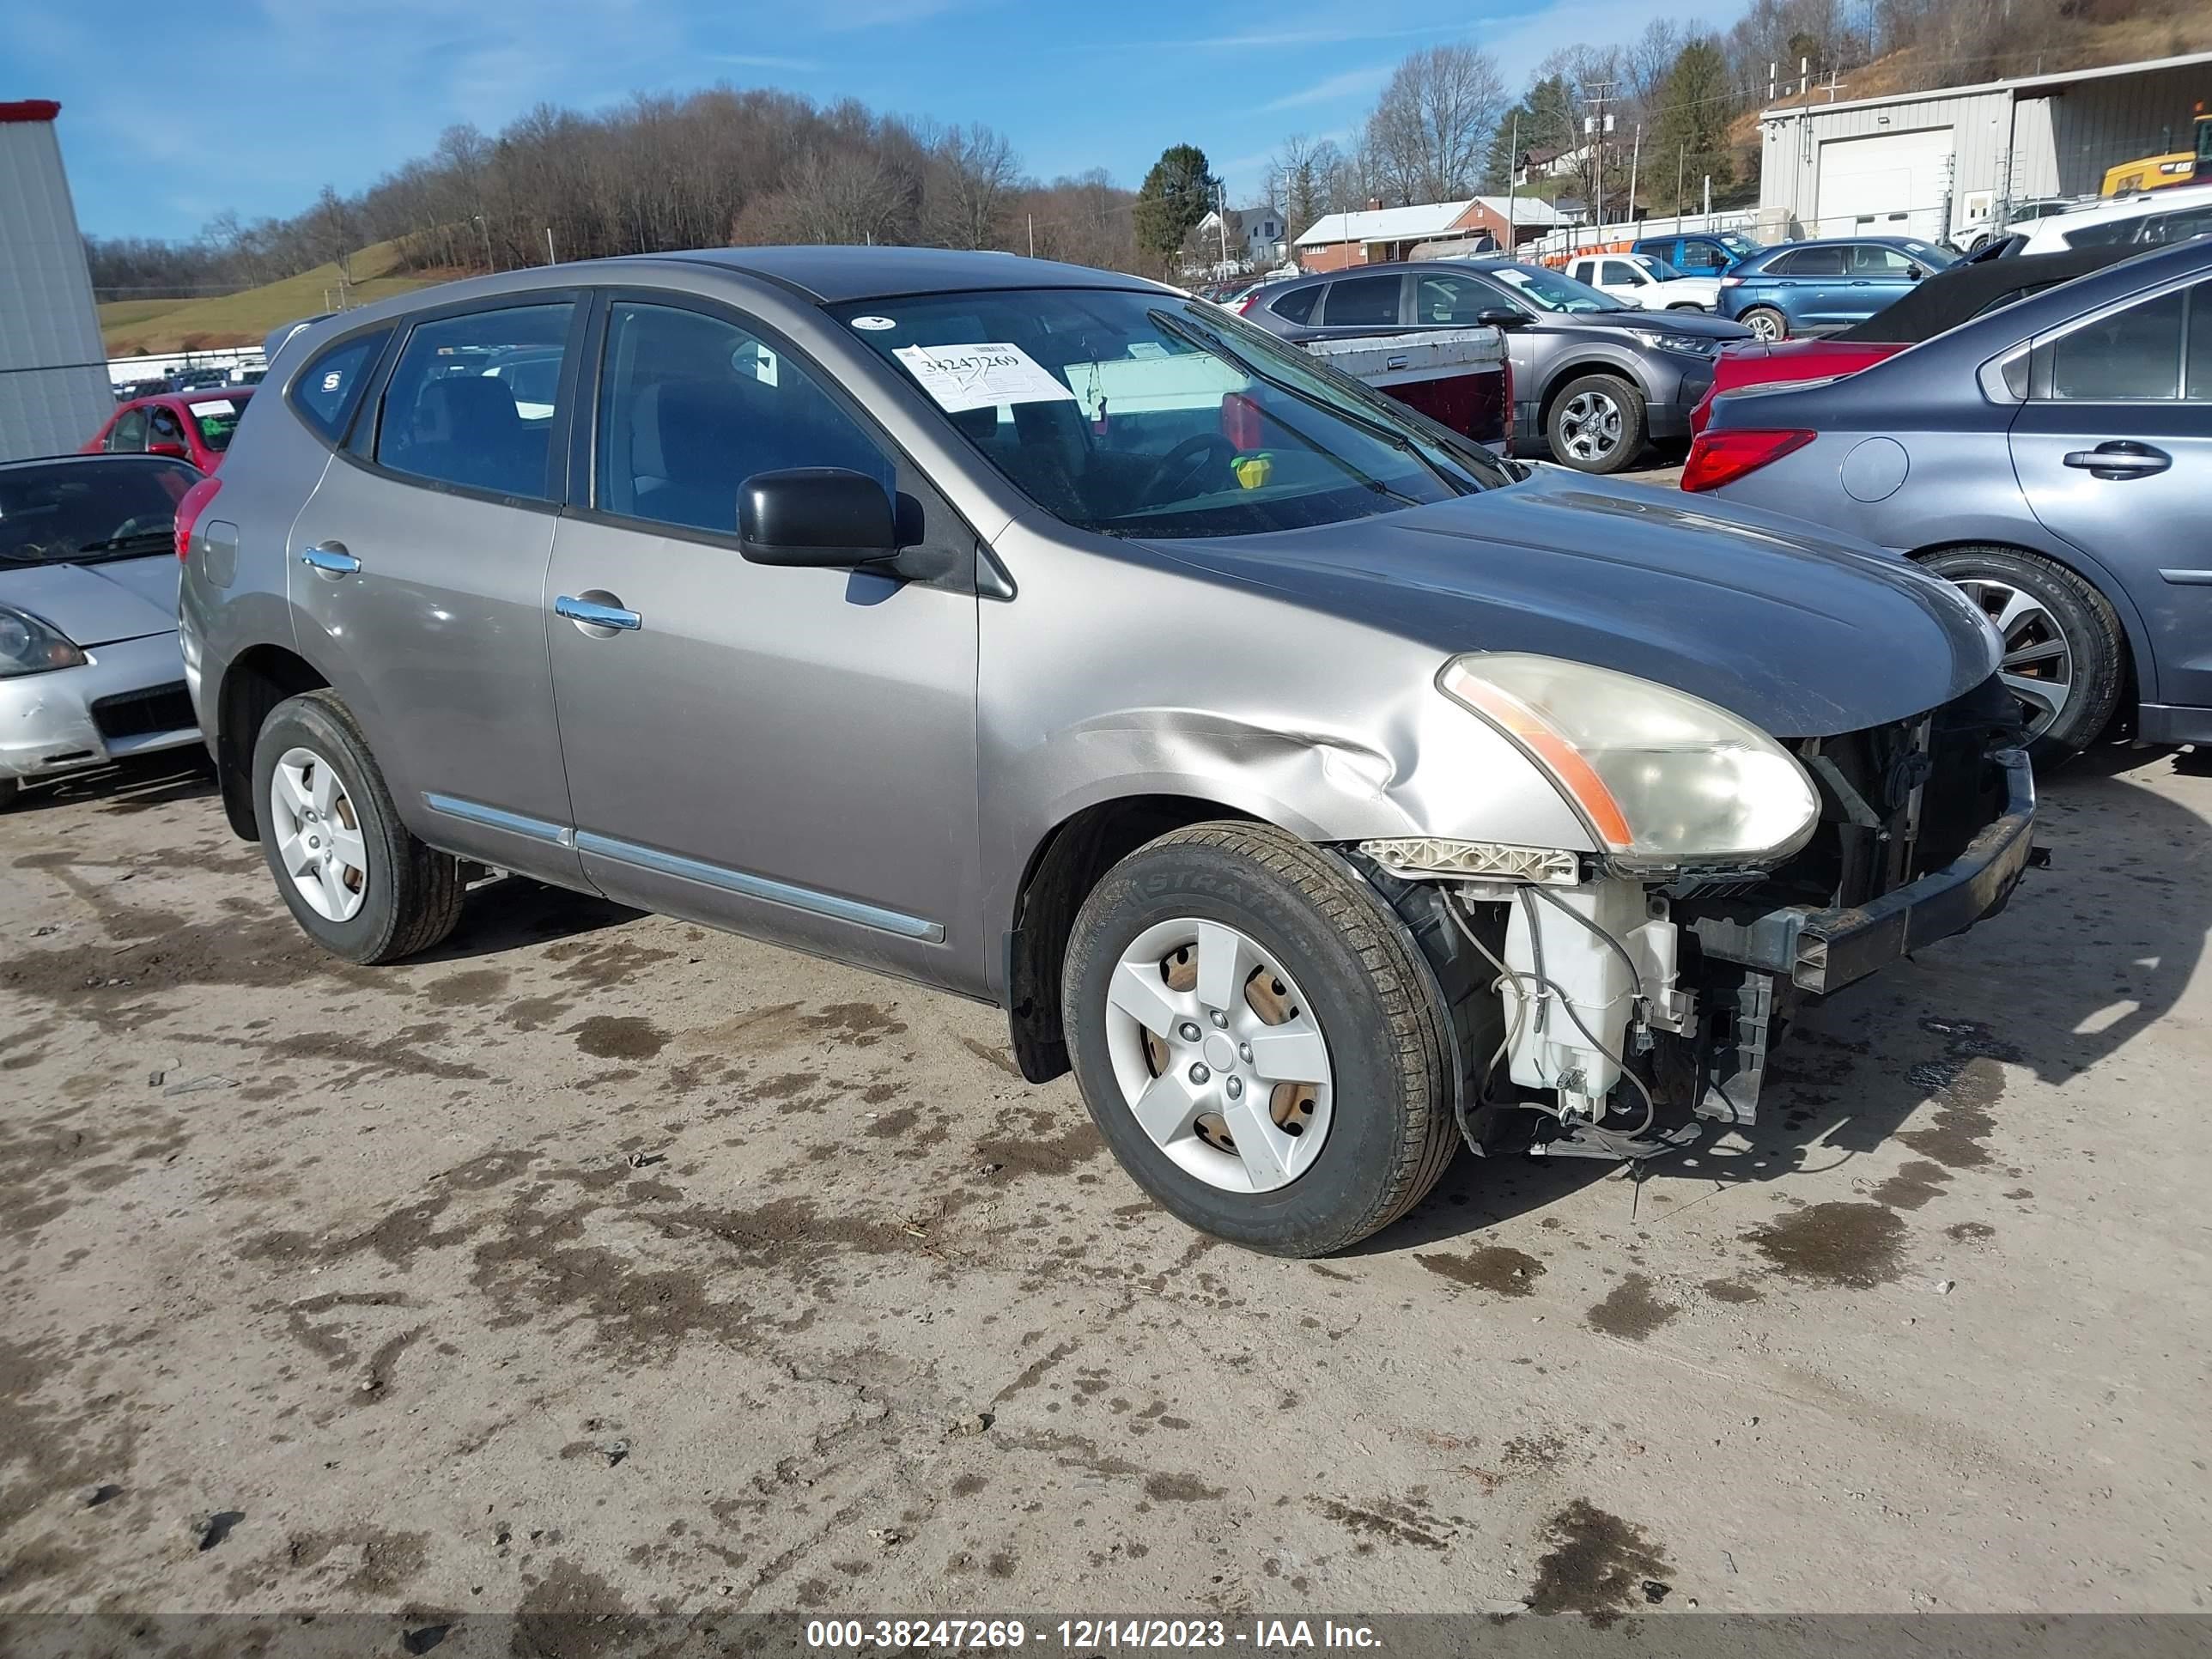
1297,305
328,389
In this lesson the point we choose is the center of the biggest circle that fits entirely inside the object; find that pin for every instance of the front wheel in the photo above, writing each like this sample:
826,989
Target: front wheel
1256,1042
2065,656
1596,424
354,877
1765,323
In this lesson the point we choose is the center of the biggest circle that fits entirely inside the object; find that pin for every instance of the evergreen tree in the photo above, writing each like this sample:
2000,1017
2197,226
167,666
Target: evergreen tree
1178,193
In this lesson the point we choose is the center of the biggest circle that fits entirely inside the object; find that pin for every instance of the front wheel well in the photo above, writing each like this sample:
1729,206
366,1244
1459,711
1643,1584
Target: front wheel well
1566,377
257,682
1066,865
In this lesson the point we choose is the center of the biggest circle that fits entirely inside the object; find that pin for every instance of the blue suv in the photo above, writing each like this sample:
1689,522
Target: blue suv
1701,254
1817,288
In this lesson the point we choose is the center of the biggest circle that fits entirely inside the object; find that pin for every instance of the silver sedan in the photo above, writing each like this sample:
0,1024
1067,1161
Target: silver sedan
89,669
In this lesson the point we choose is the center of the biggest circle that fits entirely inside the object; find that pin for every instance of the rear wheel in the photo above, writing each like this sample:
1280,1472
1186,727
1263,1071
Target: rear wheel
1596,424
1256,1041
1766,323
352,876
2065,657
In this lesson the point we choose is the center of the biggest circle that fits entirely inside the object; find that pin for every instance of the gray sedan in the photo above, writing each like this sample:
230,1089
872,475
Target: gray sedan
1593,379
89,669
2054,459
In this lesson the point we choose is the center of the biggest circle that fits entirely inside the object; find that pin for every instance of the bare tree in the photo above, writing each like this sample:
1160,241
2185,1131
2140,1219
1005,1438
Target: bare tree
1431,130
968,188
1300,180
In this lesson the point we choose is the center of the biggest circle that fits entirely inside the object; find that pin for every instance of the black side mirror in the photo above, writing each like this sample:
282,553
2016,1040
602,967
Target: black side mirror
1504,316
829,517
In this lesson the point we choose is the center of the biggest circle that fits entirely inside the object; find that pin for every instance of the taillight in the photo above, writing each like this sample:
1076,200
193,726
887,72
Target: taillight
1731,282
1720,457
189,508
1245,304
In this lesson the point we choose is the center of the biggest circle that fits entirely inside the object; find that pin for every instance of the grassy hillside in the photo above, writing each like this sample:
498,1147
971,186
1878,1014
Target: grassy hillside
246,318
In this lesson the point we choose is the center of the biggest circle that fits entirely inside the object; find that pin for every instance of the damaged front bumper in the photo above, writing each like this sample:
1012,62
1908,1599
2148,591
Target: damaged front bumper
1822,950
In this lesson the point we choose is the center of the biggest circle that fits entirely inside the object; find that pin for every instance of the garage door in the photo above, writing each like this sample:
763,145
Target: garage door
1895,183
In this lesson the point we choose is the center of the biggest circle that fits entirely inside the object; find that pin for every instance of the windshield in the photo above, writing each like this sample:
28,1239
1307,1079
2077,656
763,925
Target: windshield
1739,244
84,512
1138,413
1658,267
1548,290
217,417
1935,259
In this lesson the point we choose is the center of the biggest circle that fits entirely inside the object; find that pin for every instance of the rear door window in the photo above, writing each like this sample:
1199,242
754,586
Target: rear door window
1297,305
2132,356
470,403
1362,302
326,391
1809,262
2162,228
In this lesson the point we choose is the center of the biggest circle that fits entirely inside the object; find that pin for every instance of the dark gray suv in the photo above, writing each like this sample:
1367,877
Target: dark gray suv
1593,379
1320,789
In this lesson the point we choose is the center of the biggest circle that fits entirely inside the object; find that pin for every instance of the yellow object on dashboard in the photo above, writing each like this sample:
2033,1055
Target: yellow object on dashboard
1253,470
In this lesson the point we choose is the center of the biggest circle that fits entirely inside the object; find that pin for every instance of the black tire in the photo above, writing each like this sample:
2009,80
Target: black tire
1767,322
1392,1131
412,896
2086,619
1623,397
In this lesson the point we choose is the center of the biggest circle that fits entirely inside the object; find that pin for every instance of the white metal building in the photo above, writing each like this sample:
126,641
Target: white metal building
54,391
1949,160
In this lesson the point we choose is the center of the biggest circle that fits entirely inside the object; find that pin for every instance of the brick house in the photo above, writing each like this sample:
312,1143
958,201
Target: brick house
1378,234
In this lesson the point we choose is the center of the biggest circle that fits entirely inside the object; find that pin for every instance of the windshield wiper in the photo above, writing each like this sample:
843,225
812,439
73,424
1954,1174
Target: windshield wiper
117,544
1403,442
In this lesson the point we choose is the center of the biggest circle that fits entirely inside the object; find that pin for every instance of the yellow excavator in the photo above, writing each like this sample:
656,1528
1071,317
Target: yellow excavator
2180,167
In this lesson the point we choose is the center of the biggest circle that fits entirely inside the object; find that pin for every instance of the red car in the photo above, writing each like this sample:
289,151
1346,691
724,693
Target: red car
192,426
1942,302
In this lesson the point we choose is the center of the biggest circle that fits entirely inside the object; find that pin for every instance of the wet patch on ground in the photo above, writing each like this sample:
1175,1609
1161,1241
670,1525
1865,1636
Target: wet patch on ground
1857,1245
1599,1566
1631,1310
1495,1267
618,1037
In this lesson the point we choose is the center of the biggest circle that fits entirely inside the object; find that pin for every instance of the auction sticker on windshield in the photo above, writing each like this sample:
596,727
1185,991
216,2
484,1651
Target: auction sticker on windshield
982,376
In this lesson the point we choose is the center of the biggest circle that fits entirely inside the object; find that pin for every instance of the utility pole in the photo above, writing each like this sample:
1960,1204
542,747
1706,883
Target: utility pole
1512,179
549,260
1635,156
490,262
1596,124
1033,236
1221,215
1682,151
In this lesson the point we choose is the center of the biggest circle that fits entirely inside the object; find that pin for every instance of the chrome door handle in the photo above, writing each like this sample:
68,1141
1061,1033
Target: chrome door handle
593,613
2122,460
330,559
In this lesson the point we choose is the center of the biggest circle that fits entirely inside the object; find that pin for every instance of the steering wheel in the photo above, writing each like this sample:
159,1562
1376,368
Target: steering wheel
1182,464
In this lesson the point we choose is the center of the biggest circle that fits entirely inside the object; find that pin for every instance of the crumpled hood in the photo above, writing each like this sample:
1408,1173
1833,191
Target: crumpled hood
1803,634
98,604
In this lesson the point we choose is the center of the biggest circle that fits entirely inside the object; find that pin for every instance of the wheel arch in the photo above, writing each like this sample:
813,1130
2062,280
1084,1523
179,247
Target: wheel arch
1066,864
256,680
2139,680
1563,378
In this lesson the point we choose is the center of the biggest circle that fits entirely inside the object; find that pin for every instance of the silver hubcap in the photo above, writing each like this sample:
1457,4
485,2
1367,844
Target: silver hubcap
2038,664
1765,324
319,842
1589,426
1218,1055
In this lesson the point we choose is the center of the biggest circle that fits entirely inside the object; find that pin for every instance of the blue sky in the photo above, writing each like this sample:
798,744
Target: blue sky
173,113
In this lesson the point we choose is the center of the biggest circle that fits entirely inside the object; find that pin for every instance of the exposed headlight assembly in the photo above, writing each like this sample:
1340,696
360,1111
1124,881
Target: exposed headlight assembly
1662,778
32,645
1697,345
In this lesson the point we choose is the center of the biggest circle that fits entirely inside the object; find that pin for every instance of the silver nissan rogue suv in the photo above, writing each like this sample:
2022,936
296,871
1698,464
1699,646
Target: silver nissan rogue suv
1322,790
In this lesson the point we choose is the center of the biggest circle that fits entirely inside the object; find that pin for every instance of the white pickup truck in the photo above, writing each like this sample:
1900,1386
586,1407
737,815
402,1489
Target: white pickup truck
1642,281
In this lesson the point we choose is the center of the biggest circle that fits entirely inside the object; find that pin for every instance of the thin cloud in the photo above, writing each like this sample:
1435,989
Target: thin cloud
1351,83
762,60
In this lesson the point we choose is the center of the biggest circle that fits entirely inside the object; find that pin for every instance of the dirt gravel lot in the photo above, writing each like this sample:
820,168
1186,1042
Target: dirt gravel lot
604,1263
